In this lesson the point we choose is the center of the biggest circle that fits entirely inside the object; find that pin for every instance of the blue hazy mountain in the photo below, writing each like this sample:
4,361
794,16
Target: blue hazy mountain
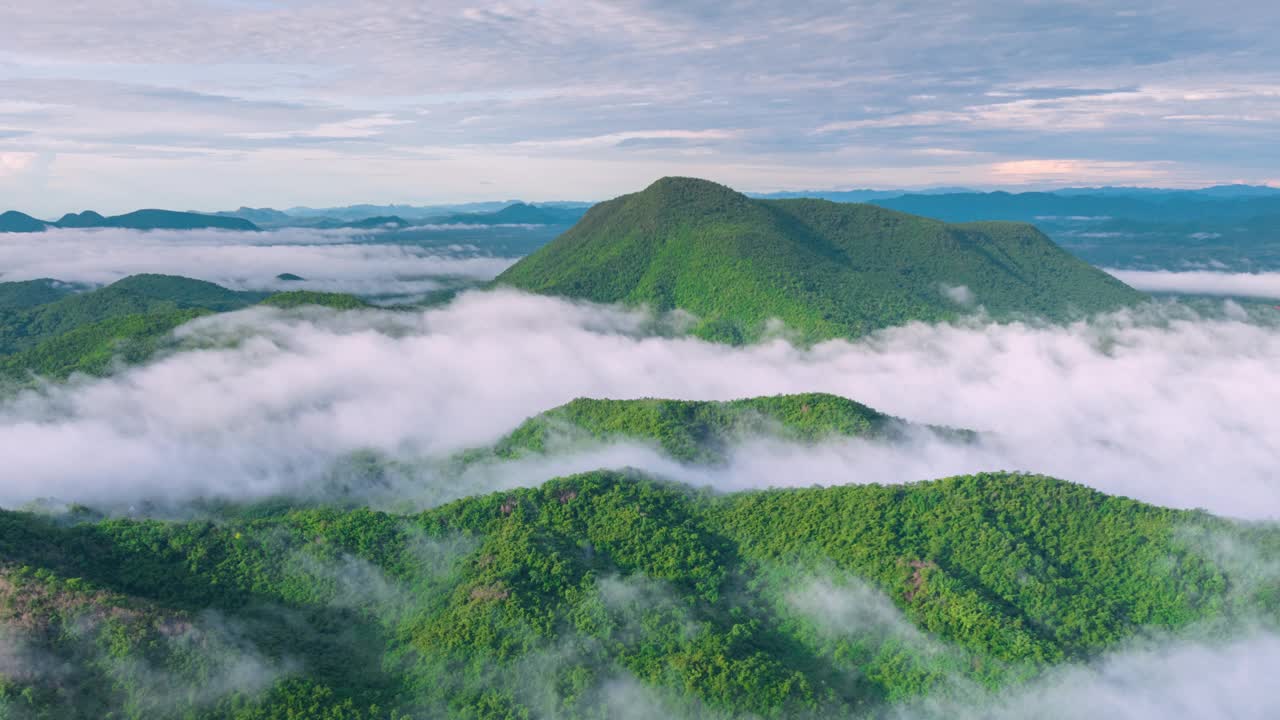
150,219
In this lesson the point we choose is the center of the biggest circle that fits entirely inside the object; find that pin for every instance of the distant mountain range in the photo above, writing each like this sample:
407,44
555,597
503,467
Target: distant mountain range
825,269
394,216
13,221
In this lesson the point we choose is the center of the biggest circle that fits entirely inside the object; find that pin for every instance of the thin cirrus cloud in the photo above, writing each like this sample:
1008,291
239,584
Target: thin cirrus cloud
321,103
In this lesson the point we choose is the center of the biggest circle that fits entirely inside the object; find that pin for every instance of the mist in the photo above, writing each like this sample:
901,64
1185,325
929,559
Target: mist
1158,403
1203,282
340,260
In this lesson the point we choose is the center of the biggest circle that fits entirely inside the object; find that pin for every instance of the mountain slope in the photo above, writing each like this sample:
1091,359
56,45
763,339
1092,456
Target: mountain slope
824,269
603,593
127,321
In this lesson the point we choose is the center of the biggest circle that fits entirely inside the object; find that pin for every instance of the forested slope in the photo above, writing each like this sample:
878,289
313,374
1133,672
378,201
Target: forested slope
599,589
824,269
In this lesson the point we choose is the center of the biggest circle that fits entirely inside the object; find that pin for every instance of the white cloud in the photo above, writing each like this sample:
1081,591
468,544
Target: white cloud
1207,282
1153,405
329,260
1228,678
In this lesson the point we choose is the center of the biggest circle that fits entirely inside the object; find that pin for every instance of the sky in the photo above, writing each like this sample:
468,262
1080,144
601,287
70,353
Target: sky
213,104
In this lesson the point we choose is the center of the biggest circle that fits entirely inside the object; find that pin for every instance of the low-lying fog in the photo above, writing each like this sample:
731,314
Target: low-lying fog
1157,403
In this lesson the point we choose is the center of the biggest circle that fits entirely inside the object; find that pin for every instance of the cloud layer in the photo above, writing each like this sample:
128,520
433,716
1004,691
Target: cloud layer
1203,282
1157,404
329,260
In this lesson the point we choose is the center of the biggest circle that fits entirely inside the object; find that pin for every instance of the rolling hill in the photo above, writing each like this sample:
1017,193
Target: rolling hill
824,269
600,594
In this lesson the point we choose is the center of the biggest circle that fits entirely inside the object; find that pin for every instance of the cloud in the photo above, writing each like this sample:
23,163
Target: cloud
354,129
1227,678
1262,285
329,260
1157,404
243,83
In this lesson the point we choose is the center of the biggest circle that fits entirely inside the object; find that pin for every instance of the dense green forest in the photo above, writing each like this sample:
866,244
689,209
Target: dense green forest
51,330
701,431
825,269
603,593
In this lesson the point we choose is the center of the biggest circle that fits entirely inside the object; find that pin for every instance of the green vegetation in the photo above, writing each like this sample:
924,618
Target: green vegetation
540,602
298,298
49,331
29,293
134,295
700,431
825,269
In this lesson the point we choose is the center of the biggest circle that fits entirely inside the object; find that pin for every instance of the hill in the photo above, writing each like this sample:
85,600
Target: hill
701,431
602,594
13,221
825,269
29,293
127,321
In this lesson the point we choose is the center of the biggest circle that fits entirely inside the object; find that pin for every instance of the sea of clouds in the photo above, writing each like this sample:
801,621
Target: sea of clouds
1203,282
1157,403
340,260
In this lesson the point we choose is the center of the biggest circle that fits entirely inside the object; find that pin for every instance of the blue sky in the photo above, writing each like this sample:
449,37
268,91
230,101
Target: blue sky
218,103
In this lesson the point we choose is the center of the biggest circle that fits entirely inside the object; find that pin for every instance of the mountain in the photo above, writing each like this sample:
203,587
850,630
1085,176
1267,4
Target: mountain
86,219
13,221
29,293
172,220
825,269
1168,206
515,214
605,595
262,217
701,431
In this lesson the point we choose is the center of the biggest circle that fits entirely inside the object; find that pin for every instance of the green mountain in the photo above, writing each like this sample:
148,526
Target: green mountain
701,431
602,594
29,293
825,269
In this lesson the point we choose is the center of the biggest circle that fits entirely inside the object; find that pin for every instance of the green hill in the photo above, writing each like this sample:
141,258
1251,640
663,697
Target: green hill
127,320
825,269
29,293
600,594
701,431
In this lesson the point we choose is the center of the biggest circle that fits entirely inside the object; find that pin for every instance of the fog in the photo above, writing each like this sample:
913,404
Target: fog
1158,403
1203,282
328,260
1229,678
